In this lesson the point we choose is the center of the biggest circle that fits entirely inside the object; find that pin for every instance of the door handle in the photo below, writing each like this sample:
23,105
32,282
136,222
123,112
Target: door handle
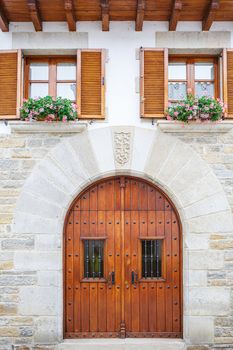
111,279
134,277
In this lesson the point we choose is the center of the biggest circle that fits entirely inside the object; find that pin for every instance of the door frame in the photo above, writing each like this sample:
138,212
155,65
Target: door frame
137,178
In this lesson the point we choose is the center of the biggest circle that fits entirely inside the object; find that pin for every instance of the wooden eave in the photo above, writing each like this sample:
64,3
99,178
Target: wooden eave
139,11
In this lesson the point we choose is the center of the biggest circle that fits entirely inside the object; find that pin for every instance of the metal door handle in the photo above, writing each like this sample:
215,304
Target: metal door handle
112,278
134,277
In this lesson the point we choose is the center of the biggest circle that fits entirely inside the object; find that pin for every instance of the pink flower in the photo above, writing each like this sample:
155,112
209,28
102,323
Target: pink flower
25,100
64,118
176,114
189,90
41,110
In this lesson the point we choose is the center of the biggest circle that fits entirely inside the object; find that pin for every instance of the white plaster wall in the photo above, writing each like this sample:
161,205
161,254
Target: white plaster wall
122,68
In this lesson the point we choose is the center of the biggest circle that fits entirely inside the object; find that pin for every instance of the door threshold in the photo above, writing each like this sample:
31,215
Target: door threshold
123,344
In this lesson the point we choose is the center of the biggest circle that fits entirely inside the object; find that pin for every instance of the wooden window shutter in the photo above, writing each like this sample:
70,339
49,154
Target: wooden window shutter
227,78
91,84
10,83
153,82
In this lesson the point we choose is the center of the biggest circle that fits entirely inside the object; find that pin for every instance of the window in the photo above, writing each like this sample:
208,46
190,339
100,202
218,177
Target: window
50,76
93,258
152,258
198,76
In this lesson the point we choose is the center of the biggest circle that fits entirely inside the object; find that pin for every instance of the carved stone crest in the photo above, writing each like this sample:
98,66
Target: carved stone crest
122,147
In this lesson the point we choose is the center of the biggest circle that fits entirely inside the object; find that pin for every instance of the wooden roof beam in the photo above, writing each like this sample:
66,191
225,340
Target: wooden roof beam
70,15
140,15
35,14
105,15
4,23
175,15
210,15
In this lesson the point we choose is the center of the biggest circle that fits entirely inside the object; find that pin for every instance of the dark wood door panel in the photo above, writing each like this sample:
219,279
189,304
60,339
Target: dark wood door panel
136,292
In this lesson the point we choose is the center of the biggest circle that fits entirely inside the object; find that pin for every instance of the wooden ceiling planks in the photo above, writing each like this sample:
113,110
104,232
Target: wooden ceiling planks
114,10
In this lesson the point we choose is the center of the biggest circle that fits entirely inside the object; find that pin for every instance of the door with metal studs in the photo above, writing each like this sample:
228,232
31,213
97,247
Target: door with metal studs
122,262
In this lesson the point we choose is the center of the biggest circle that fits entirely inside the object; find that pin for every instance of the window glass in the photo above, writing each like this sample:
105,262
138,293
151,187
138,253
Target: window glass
39,71
204,71
66,71
151,258
39,90
67,90
177,71
176,91
93,258
204,89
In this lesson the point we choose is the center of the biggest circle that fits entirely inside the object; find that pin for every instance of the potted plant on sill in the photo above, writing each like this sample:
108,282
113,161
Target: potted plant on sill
48,109
196,109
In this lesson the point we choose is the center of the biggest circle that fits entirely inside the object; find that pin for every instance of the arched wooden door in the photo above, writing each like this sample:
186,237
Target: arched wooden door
122,272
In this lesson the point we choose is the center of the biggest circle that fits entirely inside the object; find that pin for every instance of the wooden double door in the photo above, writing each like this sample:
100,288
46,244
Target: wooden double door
122,262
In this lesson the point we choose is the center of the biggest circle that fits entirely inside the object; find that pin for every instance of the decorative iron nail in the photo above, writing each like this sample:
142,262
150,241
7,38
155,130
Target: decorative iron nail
168,287
76,254
69,303
69,255
84,197
168,254
70,223
69,238
160,287
152,222
93,222
160,222
69,288
110,222
175,270
175,254
69,319
101,222
175,287
168,222
76,222
69,271
174,222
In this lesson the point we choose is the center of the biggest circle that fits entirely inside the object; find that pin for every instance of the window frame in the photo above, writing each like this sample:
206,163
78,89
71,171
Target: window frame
52,78
190,61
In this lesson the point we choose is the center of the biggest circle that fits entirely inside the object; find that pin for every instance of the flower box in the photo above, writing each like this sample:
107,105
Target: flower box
48,109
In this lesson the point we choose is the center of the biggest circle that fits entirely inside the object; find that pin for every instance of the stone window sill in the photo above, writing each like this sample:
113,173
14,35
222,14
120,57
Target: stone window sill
21,127
178,127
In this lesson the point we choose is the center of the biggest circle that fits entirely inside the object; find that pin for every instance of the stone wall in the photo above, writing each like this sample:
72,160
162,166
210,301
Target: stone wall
30,272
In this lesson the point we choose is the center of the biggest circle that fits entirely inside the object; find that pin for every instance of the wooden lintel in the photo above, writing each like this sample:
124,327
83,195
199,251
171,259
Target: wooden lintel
140,15
105,15
35,14
175,15
210,15
70,15
4,23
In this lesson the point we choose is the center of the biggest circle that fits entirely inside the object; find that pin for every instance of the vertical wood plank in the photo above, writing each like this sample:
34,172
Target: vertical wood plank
85,307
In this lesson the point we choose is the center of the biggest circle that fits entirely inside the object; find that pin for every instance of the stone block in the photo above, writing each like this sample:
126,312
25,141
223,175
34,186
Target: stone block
21,153
9,332
194,241
30,203
45,330
195,278
9,164
39,301
208,301
206,259
28,223
142,143
103,151
18,279
49,278
201,329
217,222
6,218
47,242
160,150
20,243
38,260
213,204
10,142
8,309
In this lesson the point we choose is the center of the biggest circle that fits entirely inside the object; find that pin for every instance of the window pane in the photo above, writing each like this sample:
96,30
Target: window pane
39,71
176,71
93,258
204,89
67,90
204,71
39,90
151,258
176,91
66,71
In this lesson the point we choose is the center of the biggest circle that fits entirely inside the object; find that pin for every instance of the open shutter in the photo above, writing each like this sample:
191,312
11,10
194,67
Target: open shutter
91,84
154,82
10,83
228,81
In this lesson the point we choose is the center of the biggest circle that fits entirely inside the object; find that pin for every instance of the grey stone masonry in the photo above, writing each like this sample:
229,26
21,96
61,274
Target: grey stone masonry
40,175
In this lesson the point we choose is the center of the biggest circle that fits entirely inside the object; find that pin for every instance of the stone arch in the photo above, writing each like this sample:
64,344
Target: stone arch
147,153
